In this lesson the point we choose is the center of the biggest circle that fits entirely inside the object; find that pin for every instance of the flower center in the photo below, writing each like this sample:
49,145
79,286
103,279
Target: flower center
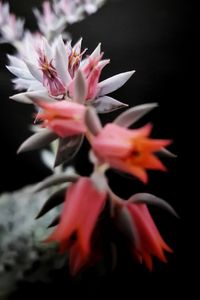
47,68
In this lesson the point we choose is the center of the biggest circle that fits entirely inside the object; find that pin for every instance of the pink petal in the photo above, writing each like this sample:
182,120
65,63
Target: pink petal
81,209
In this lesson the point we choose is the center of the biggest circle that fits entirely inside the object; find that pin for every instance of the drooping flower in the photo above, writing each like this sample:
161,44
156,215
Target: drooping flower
129,150
63,118
149,241
83,204
78,228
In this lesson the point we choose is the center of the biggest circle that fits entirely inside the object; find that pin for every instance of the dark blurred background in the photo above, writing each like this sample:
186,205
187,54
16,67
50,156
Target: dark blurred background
145,35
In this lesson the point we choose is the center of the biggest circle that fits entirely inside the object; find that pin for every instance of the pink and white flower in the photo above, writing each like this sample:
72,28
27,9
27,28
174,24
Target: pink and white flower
50,23
11,27
53,69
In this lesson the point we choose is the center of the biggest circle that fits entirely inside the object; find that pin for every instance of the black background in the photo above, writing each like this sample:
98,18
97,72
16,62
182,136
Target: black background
148,36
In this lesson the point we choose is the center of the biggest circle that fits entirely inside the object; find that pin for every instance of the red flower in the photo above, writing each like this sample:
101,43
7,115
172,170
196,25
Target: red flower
150,242
83,204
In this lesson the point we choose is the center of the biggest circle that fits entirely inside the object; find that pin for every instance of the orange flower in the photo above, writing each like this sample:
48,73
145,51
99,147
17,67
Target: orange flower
129,150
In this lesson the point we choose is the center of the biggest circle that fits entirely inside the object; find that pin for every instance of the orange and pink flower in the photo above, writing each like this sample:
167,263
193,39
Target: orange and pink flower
129,150
62,117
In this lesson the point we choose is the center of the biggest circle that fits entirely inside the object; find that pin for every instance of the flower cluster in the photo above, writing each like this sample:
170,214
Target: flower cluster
55,17
11,27
52,19
63,81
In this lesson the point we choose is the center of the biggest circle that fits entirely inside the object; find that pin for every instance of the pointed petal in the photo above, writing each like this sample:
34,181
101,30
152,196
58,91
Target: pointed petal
94,201
16,62
35,71
96,52
67,149
80,89
54,222
61,61
76,259
54,200
107,104
153,145
147,260
78,46
166,153
140,173
132,115
37,141
47,49
54,180
93,79
151,241
39,96
150,162
19,72
22,98
152,200
92,121
84,195
126,225
113,83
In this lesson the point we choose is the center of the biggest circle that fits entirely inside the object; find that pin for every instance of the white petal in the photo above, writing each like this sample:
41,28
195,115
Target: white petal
47,50
16,62
30,97
61,61
34,71
21,84
107,104
19,72
78,45
113,83
21,97
40,96
96,52
35,85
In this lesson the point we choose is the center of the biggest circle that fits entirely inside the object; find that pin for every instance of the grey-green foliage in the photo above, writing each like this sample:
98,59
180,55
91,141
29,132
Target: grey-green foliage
22,254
